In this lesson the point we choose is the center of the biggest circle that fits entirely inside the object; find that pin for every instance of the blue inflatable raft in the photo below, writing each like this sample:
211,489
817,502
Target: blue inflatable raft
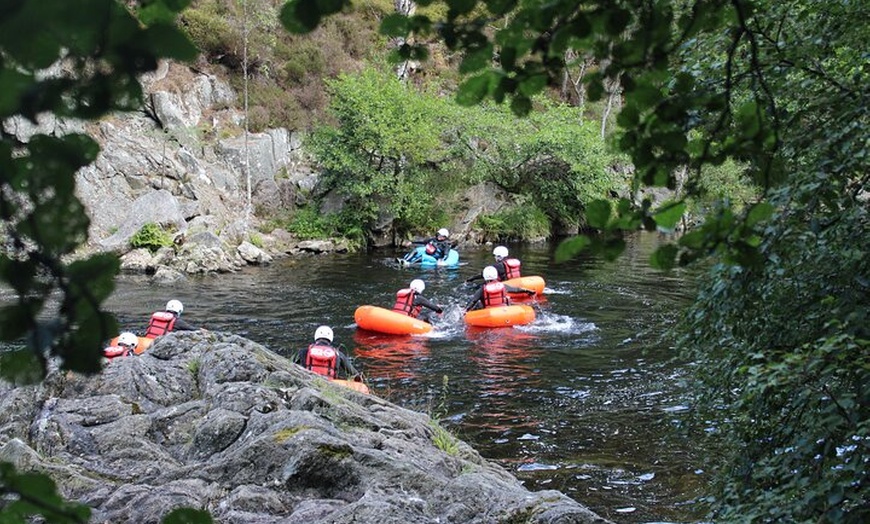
418,257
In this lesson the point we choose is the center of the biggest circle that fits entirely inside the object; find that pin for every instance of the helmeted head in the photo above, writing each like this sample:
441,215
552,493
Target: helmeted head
324,332
442,233
174,306
499,253
418,285
430,248
128,340
490,273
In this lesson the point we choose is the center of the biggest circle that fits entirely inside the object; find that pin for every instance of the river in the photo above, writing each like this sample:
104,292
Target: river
585,400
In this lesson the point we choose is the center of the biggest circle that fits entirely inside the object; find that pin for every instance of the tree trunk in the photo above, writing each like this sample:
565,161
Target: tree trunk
405,8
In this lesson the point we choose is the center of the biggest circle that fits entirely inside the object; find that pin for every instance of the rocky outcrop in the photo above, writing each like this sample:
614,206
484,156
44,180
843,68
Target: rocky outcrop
215,421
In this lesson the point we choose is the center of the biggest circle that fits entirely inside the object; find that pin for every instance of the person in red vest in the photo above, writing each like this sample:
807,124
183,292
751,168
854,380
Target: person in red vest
163,322
493,293
325,359
410,301
125,346
506,267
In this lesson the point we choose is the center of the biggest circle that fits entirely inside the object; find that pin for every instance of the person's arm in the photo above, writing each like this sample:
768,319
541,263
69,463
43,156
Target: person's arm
474,299
183,325
512,289
502,270
425,302
299,357
421,242
344,362
444,246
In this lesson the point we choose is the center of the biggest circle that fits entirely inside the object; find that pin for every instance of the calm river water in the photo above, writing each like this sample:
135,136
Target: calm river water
584,400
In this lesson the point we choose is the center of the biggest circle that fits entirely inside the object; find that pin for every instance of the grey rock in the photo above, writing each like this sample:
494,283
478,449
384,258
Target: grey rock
216,421
252,254
159,207
137,261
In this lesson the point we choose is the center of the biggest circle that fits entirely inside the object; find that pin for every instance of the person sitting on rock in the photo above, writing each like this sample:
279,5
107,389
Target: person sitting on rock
325,359
163,322
493,293
410,301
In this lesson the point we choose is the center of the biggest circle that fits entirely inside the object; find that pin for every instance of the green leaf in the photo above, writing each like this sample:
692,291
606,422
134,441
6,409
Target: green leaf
476,60
395,25
461,7
20,366
571,247
521,105
188,516
598,213
758,213
669,214
612,248
300,16
168,41
328,7
500,7
664,257
533,85
16,320
473,90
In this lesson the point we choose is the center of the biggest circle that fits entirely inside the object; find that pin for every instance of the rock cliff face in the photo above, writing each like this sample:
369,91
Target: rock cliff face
215,421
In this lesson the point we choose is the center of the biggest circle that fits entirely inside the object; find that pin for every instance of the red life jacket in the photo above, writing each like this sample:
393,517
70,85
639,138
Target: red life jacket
511,268
430,249
161,323
405,303
494,295
322,360
116,351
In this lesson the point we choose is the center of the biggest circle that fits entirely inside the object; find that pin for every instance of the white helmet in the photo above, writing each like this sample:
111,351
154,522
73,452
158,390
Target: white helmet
128,339
500,252
490,273
323,332
418,285
174,306
443,232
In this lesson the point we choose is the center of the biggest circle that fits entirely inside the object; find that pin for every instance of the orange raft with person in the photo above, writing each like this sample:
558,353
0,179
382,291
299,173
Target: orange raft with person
501,316
143,344
535,283
378,319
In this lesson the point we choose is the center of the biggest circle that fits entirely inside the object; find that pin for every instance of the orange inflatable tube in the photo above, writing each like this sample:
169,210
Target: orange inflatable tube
501,316
144,343
374,318
352,384
535,283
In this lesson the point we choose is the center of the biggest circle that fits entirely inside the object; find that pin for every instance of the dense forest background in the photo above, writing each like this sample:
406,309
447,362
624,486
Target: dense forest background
394,139
753,114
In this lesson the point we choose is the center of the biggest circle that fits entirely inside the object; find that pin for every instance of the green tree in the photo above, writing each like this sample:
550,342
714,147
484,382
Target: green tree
780,331
75,60
376,154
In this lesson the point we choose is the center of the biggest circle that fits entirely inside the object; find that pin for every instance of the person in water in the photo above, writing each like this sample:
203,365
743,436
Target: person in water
323,358
437,247
410,301
493,293
506,267
163,322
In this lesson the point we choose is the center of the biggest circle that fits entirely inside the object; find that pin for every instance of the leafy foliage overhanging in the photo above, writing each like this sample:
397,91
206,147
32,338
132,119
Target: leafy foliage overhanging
780,333
77,60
